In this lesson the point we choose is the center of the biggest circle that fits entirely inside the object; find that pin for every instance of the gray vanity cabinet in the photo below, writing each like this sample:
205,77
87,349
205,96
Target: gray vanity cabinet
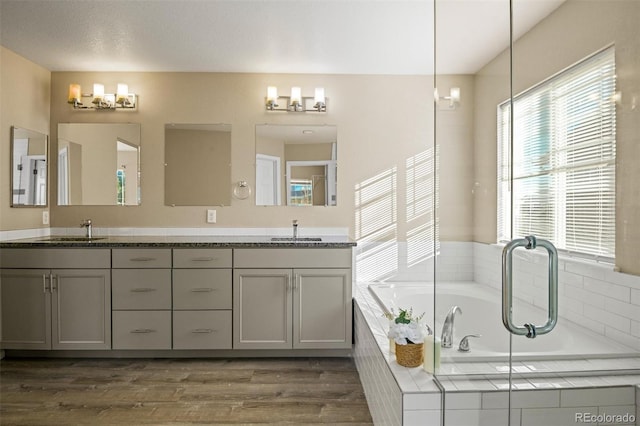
306,305
54,308
202,293
141,298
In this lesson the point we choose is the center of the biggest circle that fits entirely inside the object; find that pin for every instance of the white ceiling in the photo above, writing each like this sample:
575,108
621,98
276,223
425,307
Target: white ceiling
264,36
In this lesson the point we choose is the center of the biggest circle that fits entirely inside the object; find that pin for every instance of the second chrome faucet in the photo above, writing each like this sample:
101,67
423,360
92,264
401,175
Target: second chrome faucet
447,327
87,224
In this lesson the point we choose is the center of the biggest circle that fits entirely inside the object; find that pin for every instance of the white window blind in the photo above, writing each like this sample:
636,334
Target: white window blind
557,179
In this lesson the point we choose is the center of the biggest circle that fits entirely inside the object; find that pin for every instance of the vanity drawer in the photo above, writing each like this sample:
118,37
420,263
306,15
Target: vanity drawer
202,289
202,330
139,289
292,258
141,258
202,258
141,329
67,258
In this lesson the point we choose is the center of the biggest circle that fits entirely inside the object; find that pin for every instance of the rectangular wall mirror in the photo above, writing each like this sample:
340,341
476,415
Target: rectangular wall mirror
197,161
98,164
296,165
28,168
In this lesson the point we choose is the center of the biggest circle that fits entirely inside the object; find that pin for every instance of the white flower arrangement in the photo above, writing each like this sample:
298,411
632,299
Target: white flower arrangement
404,328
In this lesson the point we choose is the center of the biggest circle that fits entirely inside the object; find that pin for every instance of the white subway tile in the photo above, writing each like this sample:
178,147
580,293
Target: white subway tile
463,400
597,397
635,296
553,416
585,296
421,418
570,279
626,280
463,417
609,319
587,268
624,411
623,337
607,289
621,308
421,401
522,399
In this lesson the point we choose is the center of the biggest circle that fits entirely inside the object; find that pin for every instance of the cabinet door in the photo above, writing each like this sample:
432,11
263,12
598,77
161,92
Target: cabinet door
25,309
262,309
322,308
81,311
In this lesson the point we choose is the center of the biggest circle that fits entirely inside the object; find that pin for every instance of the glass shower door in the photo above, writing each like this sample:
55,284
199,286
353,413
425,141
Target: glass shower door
553,116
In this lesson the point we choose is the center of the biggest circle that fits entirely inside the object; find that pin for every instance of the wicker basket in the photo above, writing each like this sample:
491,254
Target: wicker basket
410,355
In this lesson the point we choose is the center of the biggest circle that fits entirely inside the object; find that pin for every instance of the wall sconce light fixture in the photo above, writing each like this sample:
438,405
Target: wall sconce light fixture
296,102
122,100
453,98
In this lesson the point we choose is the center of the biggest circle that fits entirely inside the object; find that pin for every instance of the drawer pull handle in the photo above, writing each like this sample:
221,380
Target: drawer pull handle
202,290
203,259
142,330
203,331
142,290
142,259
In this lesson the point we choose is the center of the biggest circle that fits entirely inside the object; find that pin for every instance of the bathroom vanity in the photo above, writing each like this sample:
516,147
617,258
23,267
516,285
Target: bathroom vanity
170,295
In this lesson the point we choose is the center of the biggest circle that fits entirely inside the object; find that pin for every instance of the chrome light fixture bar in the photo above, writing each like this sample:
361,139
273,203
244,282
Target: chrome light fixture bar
296,102
122,100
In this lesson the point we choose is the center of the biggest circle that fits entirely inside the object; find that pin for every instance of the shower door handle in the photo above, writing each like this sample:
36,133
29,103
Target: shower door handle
529,330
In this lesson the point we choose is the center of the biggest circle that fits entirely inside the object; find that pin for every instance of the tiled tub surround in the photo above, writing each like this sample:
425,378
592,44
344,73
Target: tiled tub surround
590,294
410,396
481,315
553,395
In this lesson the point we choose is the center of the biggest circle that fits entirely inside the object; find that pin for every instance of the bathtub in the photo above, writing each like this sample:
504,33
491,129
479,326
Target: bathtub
482,314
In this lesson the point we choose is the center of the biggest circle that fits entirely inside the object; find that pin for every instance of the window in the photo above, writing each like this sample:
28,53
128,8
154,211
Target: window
120,195
557,179
301,191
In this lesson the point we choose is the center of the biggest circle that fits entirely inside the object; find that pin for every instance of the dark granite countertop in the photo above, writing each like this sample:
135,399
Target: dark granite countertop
245,241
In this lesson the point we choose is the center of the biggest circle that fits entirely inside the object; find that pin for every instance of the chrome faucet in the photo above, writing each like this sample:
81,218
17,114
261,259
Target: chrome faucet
447,328
87,224
295,229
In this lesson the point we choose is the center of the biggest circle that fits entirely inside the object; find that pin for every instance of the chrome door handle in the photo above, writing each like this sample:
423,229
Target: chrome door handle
529,330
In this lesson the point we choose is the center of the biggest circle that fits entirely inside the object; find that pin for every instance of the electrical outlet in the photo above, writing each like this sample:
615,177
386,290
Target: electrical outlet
211,216
45,217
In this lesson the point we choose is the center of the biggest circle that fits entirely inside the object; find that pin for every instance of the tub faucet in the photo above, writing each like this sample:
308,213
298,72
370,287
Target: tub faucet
447,328
295,229
87,224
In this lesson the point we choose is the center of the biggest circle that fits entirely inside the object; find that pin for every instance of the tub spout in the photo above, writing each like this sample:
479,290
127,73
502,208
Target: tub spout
447,328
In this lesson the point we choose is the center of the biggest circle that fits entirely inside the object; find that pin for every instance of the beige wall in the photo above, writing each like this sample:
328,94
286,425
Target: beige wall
374,137
384,122
24,102
576,30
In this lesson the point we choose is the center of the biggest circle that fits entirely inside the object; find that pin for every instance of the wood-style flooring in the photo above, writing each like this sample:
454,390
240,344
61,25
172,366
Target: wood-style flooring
298,391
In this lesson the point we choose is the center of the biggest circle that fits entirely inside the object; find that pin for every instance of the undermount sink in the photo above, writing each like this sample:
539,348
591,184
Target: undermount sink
72,239
298,239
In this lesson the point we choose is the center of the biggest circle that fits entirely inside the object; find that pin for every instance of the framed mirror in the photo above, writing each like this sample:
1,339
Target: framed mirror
296,165
98,164
28,168
197,161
